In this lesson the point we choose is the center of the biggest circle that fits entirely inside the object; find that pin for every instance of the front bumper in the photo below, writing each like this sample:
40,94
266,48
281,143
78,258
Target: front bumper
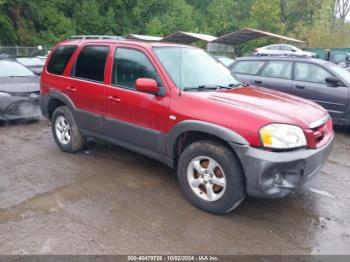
19,108
276,174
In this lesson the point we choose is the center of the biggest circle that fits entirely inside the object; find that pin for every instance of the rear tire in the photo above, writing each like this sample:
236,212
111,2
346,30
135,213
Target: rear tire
65,131
211,177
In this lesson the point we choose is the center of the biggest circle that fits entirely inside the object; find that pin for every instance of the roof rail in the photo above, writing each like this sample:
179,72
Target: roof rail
96,37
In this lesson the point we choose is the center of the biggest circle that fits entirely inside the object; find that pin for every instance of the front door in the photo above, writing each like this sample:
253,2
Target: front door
309,82
136,118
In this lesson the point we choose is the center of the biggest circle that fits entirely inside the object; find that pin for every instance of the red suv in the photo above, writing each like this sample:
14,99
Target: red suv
179,105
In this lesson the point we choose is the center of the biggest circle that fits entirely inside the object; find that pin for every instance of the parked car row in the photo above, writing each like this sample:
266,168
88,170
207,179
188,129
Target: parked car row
183,107
19,89
232,131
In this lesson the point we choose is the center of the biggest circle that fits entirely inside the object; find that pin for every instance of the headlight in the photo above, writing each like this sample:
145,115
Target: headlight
282,136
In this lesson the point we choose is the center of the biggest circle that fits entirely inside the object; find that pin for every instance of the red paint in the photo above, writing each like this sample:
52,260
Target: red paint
243,110
147,85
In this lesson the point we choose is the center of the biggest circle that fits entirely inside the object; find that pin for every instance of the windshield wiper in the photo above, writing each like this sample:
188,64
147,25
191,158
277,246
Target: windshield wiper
200,87
212,87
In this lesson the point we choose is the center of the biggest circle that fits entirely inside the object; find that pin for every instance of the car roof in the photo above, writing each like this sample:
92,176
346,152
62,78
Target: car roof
126,41
282,58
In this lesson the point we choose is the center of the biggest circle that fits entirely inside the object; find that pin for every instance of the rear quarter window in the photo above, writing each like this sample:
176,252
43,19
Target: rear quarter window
247,67
60,58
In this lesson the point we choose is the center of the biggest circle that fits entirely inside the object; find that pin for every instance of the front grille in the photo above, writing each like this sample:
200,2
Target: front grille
320,135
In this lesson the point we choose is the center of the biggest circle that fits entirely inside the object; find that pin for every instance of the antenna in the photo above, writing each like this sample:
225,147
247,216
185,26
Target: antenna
180,70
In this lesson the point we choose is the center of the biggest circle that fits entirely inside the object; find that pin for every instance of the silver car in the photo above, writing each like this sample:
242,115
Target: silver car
282,49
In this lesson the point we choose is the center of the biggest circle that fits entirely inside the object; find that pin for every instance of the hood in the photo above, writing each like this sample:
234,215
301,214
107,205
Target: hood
274,106
14,85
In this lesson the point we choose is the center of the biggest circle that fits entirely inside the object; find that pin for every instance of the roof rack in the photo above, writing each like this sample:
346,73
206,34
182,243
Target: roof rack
83,37
281,55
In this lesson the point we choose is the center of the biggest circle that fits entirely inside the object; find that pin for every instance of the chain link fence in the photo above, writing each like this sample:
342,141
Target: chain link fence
10,51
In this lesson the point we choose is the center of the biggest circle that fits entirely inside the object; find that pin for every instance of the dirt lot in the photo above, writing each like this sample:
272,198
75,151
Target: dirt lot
111,201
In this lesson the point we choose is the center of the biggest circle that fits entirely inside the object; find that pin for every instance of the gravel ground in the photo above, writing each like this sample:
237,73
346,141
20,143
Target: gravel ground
111,201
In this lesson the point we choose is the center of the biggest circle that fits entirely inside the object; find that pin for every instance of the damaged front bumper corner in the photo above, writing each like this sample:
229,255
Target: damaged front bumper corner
276,174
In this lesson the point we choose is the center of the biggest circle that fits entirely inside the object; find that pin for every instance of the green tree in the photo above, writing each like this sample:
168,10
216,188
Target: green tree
170,16
265,15
7,31
87,18
222,16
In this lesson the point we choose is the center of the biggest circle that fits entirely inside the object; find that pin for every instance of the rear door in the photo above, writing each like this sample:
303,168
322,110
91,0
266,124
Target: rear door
246,70
87,82
309,82
276,75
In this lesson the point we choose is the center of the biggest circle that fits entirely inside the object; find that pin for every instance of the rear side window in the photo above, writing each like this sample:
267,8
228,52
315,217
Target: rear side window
278,69
248,67
91,63
60,58
129,65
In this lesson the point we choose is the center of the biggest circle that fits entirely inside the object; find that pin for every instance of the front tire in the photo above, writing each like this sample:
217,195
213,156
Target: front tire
65,131
211,177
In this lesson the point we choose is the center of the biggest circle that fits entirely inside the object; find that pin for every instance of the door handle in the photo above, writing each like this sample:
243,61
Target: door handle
257,81
71,89
114,99
300,87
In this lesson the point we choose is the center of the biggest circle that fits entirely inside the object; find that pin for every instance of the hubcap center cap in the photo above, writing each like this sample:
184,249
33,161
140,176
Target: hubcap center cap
206,177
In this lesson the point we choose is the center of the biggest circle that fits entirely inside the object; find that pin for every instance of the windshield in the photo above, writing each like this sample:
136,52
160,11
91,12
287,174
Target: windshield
12,68
30,61
191,67
341,72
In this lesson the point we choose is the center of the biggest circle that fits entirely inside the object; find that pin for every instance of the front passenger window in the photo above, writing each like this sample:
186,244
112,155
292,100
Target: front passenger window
129,65
307,72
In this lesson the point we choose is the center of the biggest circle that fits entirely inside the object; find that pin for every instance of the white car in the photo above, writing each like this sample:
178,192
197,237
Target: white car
281,49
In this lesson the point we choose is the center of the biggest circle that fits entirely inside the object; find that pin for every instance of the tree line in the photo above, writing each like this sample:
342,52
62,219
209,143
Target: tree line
321,23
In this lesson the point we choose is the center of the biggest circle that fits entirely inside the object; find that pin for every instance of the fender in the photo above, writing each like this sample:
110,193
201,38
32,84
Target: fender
204,127
45,100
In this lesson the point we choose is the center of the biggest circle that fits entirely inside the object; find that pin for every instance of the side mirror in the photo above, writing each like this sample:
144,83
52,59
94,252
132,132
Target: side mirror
147,85
348,59
333,81
293,50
